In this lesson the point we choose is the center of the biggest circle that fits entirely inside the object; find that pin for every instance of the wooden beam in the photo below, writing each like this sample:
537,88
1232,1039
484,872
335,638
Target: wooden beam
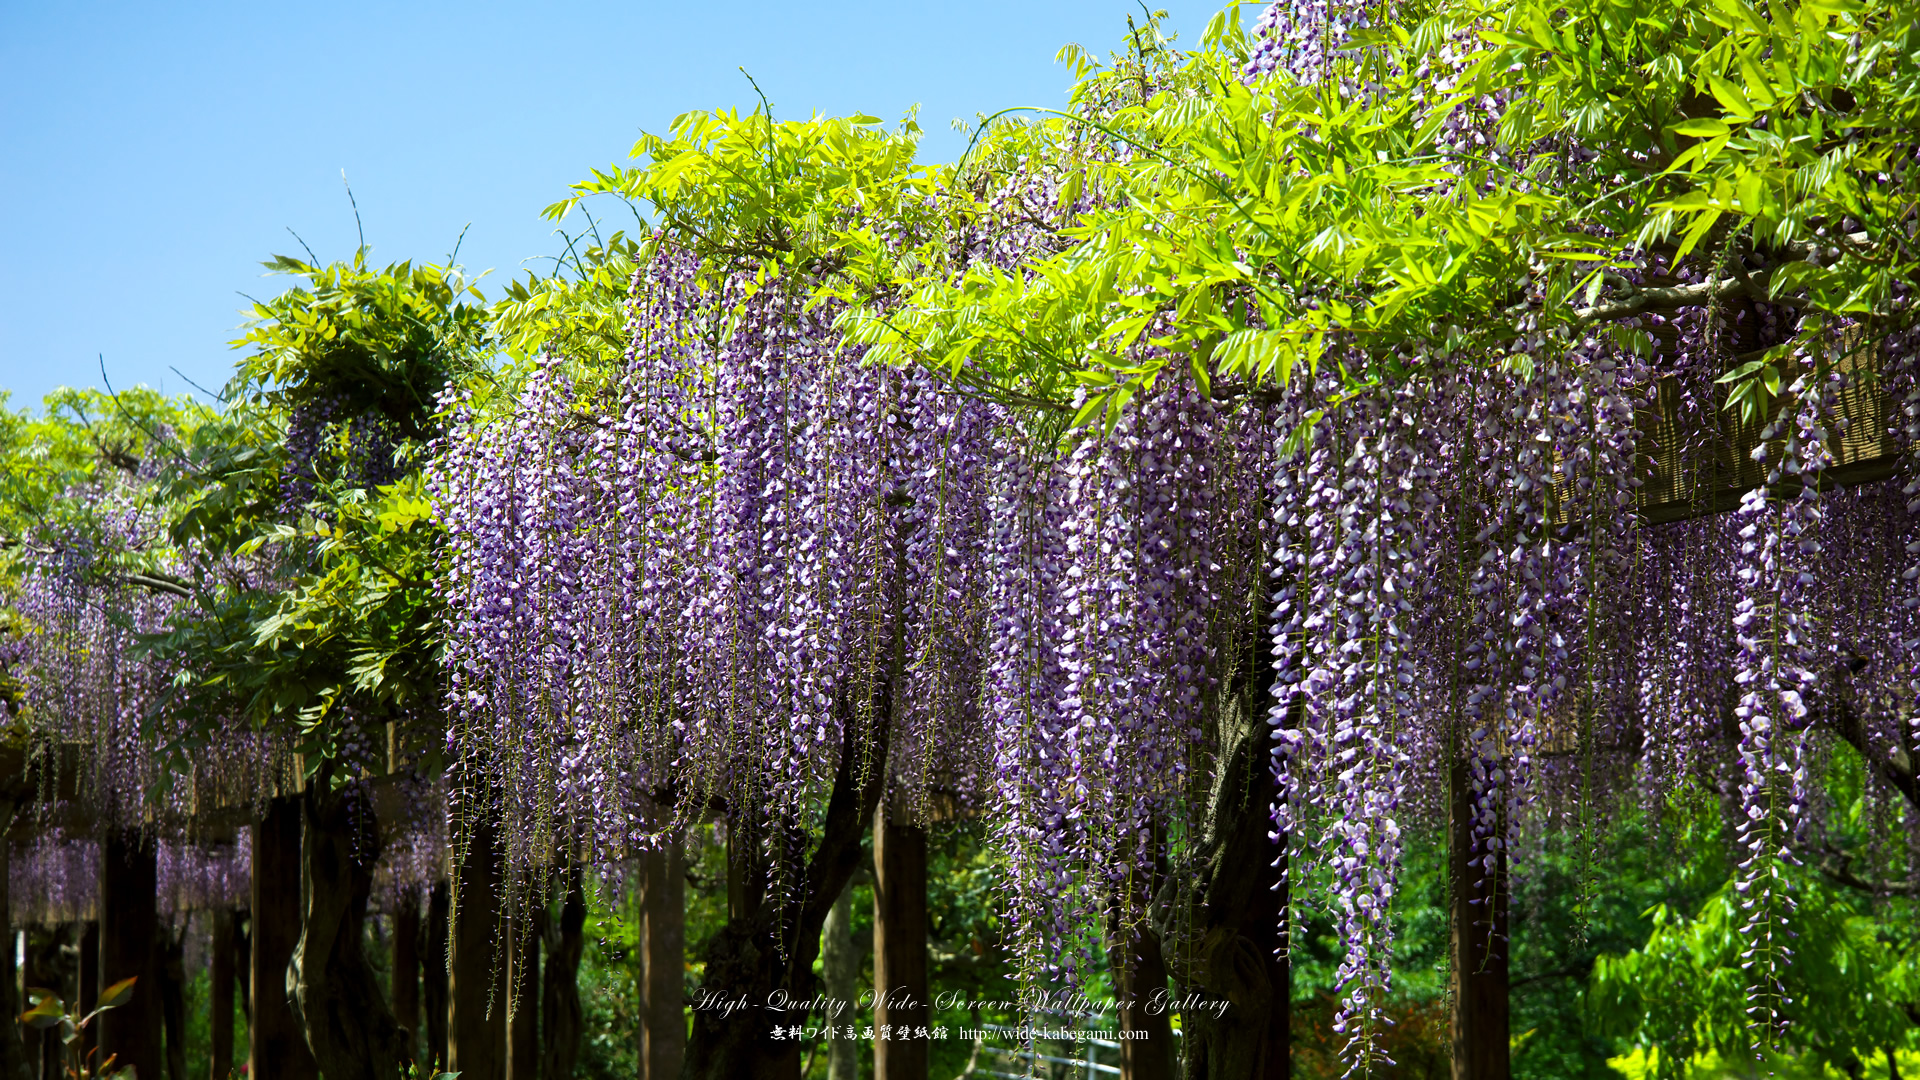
1700,465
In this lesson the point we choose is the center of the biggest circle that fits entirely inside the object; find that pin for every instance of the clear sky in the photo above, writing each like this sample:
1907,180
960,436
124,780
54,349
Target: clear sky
152,155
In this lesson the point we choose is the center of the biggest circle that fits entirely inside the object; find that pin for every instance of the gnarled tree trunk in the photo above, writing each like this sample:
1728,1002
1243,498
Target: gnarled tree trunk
745,960
275,1046
1242,898
341,1010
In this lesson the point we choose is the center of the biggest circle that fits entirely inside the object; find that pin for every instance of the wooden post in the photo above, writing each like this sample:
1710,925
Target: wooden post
89,980
129,925
523,993
433,973
1140,977
13,1050
220,996
840,963
663,904
901,996
406,970
172,968
476,1020
1479,917
1264,925
275,1046
560,1013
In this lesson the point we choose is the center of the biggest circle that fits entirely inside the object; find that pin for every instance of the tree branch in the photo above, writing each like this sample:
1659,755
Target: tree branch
1837,866
1670,298
1895,767
159,583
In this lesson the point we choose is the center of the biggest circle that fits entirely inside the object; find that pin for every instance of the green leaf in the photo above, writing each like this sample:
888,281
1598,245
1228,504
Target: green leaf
1701,127
49,1011
116,995
1730,97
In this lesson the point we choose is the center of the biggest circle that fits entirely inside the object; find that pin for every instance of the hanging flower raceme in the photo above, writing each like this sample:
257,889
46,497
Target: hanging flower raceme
675,586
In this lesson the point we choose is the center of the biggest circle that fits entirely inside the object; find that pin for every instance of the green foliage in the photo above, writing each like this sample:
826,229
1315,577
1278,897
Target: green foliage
305,507
1852,980
1853,984
353,339
50,1011
1245,231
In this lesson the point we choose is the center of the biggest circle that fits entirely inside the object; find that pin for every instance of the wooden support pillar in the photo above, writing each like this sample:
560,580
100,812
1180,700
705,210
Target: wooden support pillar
275,1045
476,1015
560,1012
1480,947
901,996
663,904
840,963
1263,924
89,982
433,973
13,1047
129,948
220,995
1140,979
172,968
406,971
523,993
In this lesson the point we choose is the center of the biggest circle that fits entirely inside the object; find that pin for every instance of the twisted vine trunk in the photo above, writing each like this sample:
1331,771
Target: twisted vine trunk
1140,988
337,1000
524,934
840,960
1243,898
275,1046
766,948
476,1011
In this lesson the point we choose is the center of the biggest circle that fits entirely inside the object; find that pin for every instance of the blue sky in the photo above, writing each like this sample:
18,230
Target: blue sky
156,153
